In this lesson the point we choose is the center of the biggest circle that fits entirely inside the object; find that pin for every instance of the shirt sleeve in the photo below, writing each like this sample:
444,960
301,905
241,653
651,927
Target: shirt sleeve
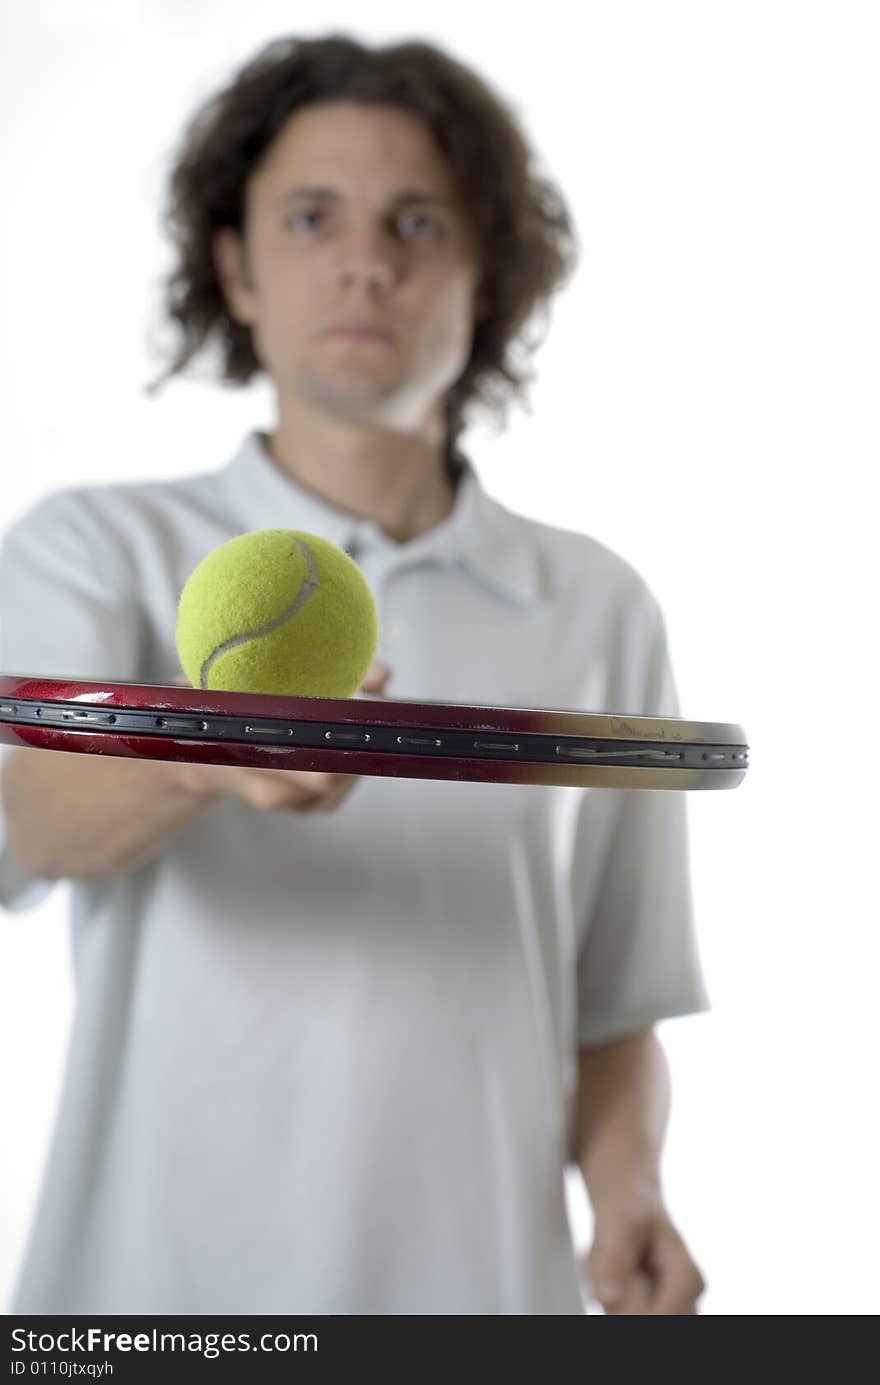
638,958
65,611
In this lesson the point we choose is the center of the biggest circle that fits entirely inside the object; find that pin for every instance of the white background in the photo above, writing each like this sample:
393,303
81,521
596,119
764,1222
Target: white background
706,406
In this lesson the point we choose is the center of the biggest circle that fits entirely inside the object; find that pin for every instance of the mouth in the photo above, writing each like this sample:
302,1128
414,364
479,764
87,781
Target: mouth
363,332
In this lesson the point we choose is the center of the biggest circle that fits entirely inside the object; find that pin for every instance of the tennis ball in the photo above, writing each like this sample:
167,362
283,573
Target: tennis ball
277,611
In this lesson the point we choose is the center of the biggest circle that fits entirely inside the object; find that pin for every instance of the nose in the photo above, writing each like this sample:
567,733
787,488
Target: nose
366,257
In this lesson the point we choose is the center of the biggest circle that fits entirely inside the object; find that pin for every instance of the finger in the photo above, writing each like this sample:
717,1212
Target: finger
669,1308
340,793
678,1285
641,1293
377,677
634,1296
613,1262
675,1299
326,800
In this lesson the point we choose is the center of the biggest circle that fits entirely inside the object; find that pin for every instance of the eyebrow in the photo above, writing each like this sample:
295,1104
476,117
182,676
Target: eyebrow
332,194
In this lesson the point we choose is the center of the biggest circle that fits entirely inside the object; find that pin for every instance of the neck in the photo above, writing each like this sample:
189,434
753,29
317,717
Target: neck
398,479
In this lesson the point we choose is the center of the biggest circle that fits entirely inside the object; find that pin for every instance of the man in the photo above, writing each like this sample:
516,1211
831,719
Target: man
338,1064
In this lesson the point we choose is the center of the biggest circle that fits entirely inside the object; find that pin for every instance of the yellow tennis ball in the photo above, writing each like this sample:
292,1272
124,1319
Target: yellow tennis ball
277,611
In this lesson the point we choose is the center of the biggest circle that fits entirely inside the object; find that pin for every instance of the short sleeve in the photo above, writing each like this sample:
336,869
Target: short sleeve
638,959
65,611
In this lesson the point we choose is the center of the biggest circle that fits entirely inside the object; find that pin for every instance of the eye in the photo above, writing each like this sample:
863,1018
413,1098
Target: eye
297,217
420,217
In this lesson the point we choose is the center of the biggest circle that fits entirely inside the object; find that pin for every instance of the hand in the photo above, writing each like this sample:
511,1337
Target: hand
271,790
639,1264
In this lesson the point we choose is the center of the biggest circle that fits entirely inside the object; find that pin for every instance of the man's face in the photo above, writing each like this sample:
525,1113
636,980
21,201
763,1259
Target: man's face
354,218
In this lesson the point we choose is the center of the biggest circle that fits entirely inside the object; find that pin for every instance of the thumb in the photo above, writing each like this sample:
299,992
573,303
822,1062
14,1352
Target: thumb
377,677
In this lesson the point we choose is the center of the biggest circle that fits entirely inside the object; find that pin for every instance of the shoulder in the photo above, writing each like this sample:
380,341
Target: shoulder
140,503
107,523
132,503
576,567
117,501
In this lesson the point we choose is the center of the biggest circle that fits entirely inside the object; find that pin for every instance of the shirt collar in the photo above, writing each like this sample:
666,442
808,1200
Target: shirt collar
479,535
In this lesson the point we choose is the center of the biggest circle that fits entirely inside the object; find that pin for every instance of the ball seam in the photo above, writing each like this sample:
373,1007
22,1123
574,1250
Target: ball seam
311,582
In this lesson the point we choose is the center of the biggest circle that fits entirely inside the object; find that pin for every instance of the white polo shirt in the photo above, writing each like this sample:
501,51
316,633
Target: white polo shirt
326,1063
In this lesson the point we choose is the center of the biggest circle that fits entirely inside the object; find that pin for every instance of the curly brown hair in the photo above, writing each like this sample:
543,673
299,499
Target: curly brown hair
527,241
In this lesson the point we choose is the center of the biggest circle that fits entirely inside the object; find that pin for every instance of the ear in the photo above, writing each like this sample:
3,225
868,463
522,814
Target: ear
230,262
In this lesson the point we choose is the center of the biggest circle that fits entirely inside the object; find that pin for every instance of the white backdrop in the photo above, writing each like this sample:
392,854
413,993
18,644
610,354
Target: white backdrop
706,406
